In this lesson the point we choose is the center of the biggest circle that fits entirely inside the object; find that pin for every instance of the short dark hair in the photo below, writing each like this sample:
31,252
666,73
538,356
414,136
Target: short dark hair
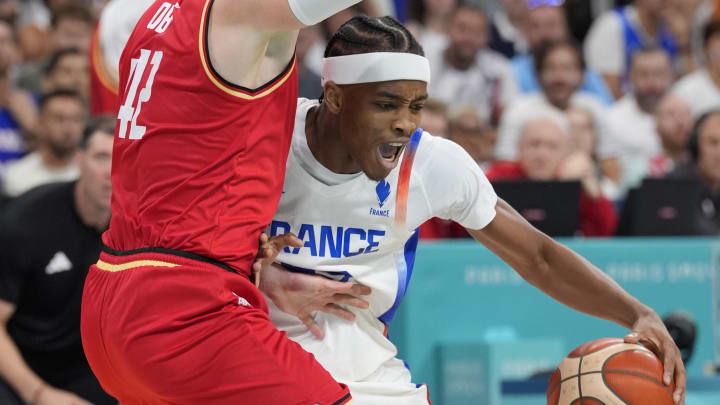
711,29
547,47
47,97
100,123
72,12
363,34
57,56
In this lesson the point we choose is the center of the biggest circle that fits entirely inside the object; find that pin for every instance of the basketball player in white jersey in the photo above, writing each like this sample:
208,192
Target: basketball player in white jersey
361,178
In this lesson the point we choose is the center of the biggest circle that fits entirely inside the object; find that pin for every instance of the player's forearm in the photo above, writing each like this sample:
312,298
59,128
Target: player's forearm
574,281
15,371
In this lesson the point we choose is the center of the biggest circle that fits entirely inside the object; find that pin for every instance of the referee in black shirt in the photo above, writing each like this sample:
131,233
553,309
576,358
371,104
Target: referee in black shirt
49,237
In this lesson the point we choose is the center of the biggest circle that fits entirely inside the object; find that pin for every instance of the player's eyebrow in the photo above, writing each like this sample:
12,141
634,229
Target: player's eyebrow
389,95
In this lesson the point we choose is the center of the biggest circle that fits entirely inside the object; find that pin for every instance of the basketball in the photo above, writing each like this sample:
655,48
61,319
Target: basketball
609,372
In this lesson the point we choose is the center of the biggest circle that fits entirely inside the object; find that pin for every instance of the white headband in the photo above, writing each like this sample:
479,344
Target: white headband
375,67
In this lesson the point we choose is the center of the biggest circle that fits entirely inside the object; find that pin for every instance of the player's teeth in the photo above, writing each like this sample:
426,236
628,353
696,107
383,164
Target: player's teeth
396,144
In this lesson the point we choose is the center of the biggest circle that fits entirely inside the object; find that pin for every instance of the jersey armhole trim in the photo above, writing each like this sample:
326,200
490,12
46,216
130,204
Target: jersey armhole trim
225,85
97,58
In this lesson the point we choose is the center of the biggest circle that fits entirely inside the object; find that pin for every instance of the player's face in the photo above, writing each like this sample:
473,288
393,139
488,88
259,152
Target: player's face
377,121
94,162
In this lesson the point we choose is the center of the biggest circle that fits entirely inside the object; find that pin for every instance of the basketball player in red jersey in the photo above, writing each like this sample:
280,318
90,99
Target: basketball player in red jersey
170,315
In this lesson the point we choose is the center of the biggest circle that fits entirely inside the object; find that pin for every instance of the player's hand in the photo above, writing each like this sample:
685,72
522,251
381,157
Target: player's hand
270,248
651,332
302,294
54,396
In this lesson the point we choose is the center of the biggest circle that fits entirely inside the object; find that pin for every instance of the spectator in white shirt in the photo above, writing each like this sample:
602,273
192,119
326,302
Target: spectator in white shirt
618,34
560,71
466,71
701,89
62,117
633,134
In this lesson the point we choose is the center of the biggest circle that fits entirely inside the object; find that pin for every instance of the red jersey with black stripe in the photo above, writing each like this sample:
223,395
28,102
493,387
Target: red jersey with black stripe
198,163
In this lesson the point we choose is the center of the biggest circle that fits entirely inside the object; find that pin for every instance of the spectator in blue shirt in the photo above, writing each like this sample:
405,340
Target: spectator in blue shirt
549,23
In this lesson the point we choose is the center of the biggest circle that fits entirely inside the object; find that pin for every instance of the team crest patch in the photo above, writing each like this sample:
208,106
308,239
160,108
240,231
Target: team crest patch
383,191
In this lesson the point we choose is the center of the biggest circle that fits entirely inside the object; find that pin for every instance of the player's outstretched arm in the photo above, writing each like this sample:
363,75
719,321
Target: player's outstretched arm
281,15
572,280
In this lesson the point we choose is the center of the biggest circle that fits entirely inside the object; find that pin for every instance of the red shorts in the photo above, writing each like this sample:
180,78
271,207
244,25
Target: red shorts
159,328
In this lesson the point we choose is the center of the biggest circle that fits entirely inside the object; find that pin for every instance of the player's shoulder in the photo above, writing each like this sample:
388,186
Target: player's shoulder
437,156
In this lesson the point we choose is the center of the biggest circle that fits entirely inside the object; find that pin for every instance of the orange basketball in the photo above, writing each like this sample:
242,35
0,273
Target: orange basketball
609,372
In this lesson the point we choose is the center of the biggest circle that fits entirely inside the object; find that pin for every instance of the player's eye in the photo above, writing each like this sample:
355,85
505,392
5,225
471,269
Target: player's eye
385,106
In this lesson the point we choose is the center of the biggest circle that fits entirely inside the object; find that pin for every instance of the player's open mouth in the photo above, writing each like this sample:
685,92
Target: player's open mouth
390,151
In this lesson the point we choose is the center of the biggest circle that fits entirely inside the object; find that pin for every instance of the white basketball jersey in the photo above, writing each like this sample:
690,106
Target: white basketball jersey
354,231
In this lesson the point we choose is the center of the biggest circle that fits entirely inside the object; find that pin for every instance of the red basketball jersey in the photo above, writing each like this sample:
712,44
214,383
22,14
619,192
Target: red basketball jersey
103,91
198,163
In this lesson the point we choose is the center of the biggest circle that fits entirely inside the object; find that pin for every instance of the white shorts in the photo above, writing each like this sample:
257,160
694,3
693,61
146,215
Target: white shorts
389,385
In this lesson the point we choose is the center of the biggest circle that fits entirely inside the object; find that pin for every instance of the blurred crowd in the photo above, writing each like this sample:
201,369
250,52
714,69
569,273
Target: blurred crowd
606,93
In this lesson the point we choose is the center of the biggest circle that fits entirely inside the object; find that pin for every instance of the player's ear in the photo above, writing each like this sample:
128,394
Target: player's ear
333,97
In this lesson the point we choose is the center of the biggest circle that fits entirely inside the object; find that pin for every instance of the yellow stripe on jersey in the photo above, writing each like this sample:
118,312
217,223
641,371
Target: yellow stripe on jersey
134,264
220,85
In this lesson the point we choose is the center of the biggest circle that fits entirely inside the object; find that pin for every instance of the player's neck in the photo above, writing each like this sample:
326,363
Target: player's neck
322,131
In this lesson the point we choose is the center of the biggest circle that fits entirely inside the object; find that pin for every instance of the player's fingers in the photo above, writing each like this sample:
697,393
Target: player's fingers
359,289
632,337
287,239
334,287
668,366
339,311
680,385
347,299
263,238
314,328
